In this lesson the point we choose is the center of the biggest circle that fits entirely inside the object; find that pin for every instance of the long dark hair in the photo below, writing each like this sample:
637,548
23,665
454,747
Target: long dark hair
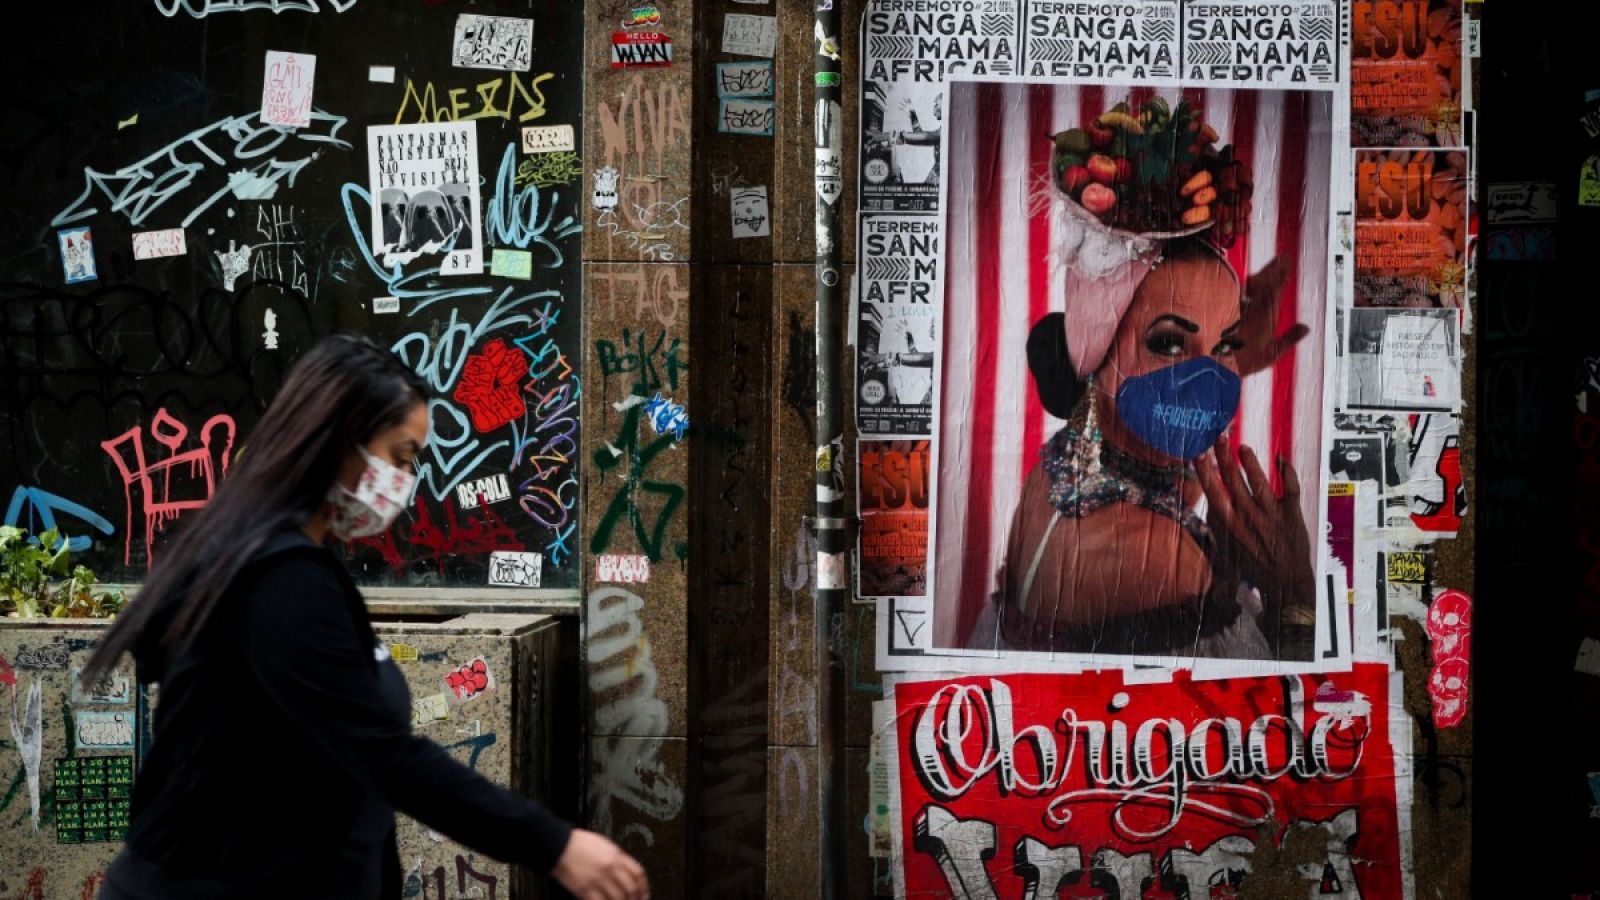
337,397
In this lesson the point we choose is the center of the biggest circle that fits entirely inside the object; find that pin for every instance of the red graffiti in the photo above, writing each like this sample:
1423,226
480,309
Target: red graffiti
491,386
480,535
170,487
470,680
34,889
92,884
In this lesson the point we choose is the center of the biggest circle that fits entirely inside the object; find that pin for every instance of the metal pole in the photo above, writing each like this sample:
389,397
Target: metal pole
833,559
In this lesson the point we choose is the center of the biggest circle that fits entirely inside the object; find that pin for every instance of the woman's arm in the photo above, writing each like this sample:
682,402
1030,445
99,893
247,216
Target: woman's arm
300,639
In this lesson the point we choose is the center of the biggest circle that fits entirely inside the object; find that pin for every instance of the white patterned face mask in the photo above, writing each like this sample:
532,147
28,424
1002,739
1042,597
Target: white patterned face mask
381,493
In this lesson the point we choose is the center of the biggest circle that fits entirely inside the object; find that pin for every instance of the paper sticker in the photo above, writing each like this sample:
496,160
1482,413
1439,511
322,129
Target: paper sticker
740,116
489,489
617,569
1450,638
1424,494
114,688
750,213
640,49
424,183
666,416
235,261
1589,182
77,255
642,17
749,35
158,244
831,571
880,823
129,122
96,730
493,42
512,263
605,189
93,799
508,569
470,681
385,305
380,74
827,45
1521,202
402,653
745,79
428,709
547,138
286,93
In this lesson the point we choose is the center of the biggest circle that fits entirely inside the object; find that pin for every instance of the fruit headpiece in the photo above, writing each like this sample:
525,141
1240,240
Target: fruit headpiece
1127,182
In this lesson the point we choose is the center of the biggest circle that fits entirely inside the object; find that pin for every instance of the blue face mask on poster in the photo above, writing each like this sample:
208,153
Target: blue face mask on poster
1182,409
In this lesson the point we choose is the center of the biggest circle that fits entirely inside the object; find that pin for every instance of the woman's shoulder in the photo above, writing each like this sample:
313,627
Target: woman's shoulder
293,559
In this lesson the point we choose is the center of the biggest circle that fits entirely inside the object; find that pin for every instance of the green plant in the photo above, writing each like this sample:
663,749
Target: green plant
37,578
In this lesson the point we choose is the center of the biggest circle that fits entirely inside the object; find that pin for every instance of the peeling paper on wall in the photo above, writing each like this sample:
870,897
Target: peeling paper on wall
879,823
27,735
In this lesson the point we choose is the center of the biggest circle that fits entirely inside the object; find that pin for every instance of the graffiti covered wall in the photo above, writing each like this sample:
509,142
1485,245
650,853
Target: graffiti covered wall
213,210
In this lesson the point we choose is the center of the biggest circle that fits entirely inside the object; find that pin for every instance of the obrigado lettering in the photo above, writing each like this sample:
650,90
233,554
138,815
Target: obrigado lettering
967,733
1188,418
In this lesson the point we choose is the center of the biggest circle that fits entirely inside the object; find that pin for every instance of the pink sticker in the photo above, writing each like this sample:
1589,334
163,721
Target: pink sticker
1450,634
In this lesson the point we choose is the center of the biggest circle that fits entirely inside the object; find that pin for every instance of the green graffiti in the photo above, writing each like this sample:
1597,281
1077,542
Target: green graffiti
625,449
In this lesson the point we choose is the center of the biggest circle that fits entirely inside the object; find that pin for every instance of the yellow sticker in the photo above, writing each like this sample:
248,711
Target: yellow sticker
403,653
1408,568
825,459
1341,489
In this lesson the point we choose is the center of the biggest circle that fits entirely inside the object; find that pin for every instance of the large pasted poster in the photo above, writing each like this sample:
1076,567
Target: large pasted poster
1123,343
1045,785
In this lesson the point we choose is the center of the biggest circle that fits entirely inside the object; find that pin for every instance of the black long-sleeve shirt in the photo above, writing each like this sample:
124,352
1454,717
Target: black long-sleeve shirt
283,747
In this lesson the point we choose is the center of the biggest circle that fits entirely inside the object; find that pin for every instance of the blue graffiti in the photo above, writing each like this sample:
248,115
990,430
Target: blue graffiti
514,215
666,415
35,509
140,188
478,743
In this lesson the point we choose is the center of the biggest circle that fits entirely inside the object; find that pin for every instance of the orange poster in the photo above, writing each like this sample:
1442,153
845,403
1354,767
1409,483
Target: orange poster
1411,228
1406,67
894,518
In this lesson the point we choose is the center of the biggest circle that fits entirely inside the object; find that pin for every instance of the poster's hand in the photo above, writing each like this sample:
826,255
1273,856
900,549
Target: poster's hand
1260,344
1262,533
